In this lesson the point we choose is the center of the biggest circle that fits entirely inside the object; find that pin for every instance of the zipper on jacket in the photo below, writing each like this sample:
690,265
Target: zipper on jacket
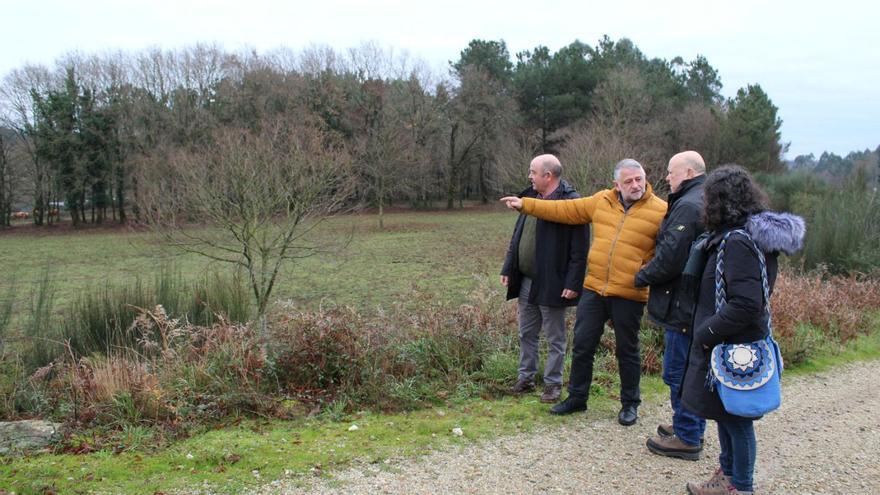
611,251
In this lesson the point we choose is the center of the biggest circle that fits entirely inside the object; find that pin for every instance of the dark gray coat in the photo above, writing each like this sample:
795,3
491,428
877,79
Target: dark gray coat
668,304
560,256
742,318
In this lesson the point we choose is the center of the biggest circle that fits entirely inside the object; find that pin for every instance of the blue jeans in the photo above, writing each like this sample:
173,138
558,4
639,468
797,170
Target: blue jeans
738,450
688,426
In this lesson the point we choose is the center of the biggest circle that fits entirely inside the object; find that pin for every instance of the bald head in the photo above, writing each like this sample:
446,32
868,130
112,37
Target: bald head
548,163
545,172
684,166
691,160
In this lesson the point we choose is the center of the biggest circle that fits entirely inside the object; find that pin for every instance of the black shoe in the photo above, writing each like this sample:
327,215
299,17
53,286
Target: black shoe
628,416
568,406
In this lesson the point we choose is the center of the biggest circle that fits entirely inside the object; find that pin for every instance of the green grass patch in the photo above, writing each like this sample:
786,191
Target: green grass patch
439,254
862,348
252,453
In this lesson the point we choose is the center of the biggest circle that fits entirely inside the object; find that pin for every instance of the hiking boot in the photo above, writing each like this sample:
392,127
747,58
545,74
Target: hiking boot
628,415
668,431
673,447
551,393
522,386
718,484
568,406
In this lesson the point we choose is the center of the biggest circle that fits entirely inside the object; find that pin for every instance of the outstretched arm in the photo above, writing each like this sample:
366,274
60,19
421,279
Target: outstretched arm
568,211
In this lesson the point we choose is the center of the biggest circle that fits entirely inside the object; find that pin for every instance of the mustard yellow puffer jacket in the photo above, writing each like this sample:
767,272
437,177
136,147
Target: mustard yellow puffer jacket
623,241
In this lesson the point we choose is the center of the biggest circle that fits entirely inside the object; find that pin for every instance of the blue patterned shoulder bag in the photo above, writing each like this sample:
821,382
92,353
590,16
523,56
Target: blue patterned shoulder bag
746,375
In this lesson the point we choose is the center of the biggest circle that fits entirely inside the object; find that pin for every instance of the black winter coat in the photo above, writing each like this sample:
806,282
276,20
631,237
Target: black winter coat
669,305
560,256
741,320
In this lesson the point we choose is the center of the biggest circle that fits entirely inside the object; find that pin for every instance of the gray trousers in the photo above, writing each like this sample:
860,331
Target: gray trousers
533,317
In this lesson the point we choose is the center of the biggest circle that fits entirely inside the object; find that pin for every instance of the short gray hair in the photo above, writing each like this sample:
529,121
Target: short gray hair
626,163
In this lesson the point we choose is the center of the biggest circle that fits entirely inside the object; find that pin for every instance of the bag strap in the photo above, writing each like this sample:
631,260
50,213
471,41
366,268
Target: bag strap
721,285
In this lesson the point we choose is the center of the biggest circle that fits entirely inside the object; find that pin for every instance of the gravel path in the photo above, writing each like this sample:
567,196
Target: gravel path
824,439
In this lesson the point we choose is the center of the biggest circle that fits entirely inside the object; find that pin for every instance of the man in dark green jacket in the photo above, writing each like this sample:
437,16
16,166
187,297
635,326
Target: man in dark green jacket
544,268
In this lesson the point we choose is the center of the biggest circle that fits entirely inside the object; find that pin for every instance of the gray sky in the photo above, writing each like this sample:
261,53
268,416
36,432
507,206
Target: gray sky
818,61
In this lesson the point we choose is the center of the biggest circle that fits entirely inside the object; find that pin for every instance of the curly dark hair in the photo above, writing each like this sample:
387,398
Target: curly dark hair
731,196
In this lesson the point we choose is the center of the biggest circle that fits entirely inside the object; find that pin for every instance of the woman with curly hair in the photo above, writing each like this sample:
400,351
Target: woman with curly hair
733,202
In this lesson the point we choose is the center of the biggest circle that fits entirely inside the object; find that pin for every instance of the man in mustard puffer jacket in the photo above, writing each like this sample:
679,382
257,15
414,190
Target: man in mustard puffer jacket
625,222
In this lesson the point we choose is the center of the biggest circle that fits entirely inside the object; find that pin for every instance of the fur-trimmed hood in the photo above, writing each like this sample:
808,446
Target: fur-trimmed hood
777,232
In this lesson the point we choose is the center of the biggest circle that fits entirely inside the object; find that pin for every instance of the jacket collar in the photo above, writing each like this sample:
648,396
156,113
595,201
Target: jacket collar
686,186
716,236
560,192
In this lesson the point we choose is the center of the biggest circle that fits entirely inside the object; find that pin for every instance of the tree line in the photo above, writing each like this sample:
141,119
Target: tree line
90,133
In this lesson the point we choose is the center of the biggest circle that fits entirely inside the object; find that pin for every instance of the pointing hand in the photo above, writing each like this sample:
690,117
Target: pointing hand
512,202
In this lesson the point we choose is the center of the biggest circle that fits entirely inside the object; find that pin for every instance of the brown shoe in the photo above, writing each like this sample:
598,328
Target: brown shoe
673,447
522,386
718,484
665,430
551,393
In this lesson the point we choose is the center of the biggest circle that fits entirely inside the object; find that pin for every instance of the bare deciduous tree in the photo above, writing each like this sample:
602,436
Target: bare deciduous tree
6,179
16,97
257,193
592,149
513,159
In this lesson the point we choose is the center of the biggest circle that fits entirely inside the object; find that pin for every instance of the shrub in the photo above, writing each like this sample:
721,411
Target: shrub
339,359
399,354
802,305
99,321
43,342
320,351
12,377
794,191
179,371
843,234
843,222
6,306
651,340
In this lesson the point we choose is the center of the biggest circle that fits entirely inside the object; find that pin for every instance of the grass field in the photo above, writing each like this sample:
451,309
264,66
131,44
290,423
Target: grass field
418,259
442,255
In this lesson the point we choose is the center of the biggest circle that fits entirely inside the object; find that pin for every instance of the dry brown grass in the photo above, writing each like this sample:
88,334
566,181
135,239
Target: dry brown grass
391,360
815,309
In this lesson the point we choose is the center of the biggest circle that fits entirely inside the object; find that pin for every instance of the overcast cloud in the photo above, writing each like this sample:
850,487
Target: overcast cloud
819,62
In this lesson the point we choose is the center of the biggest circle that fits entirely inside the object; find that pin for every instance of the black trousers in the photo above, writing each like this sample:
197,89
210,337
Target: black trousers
593,311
